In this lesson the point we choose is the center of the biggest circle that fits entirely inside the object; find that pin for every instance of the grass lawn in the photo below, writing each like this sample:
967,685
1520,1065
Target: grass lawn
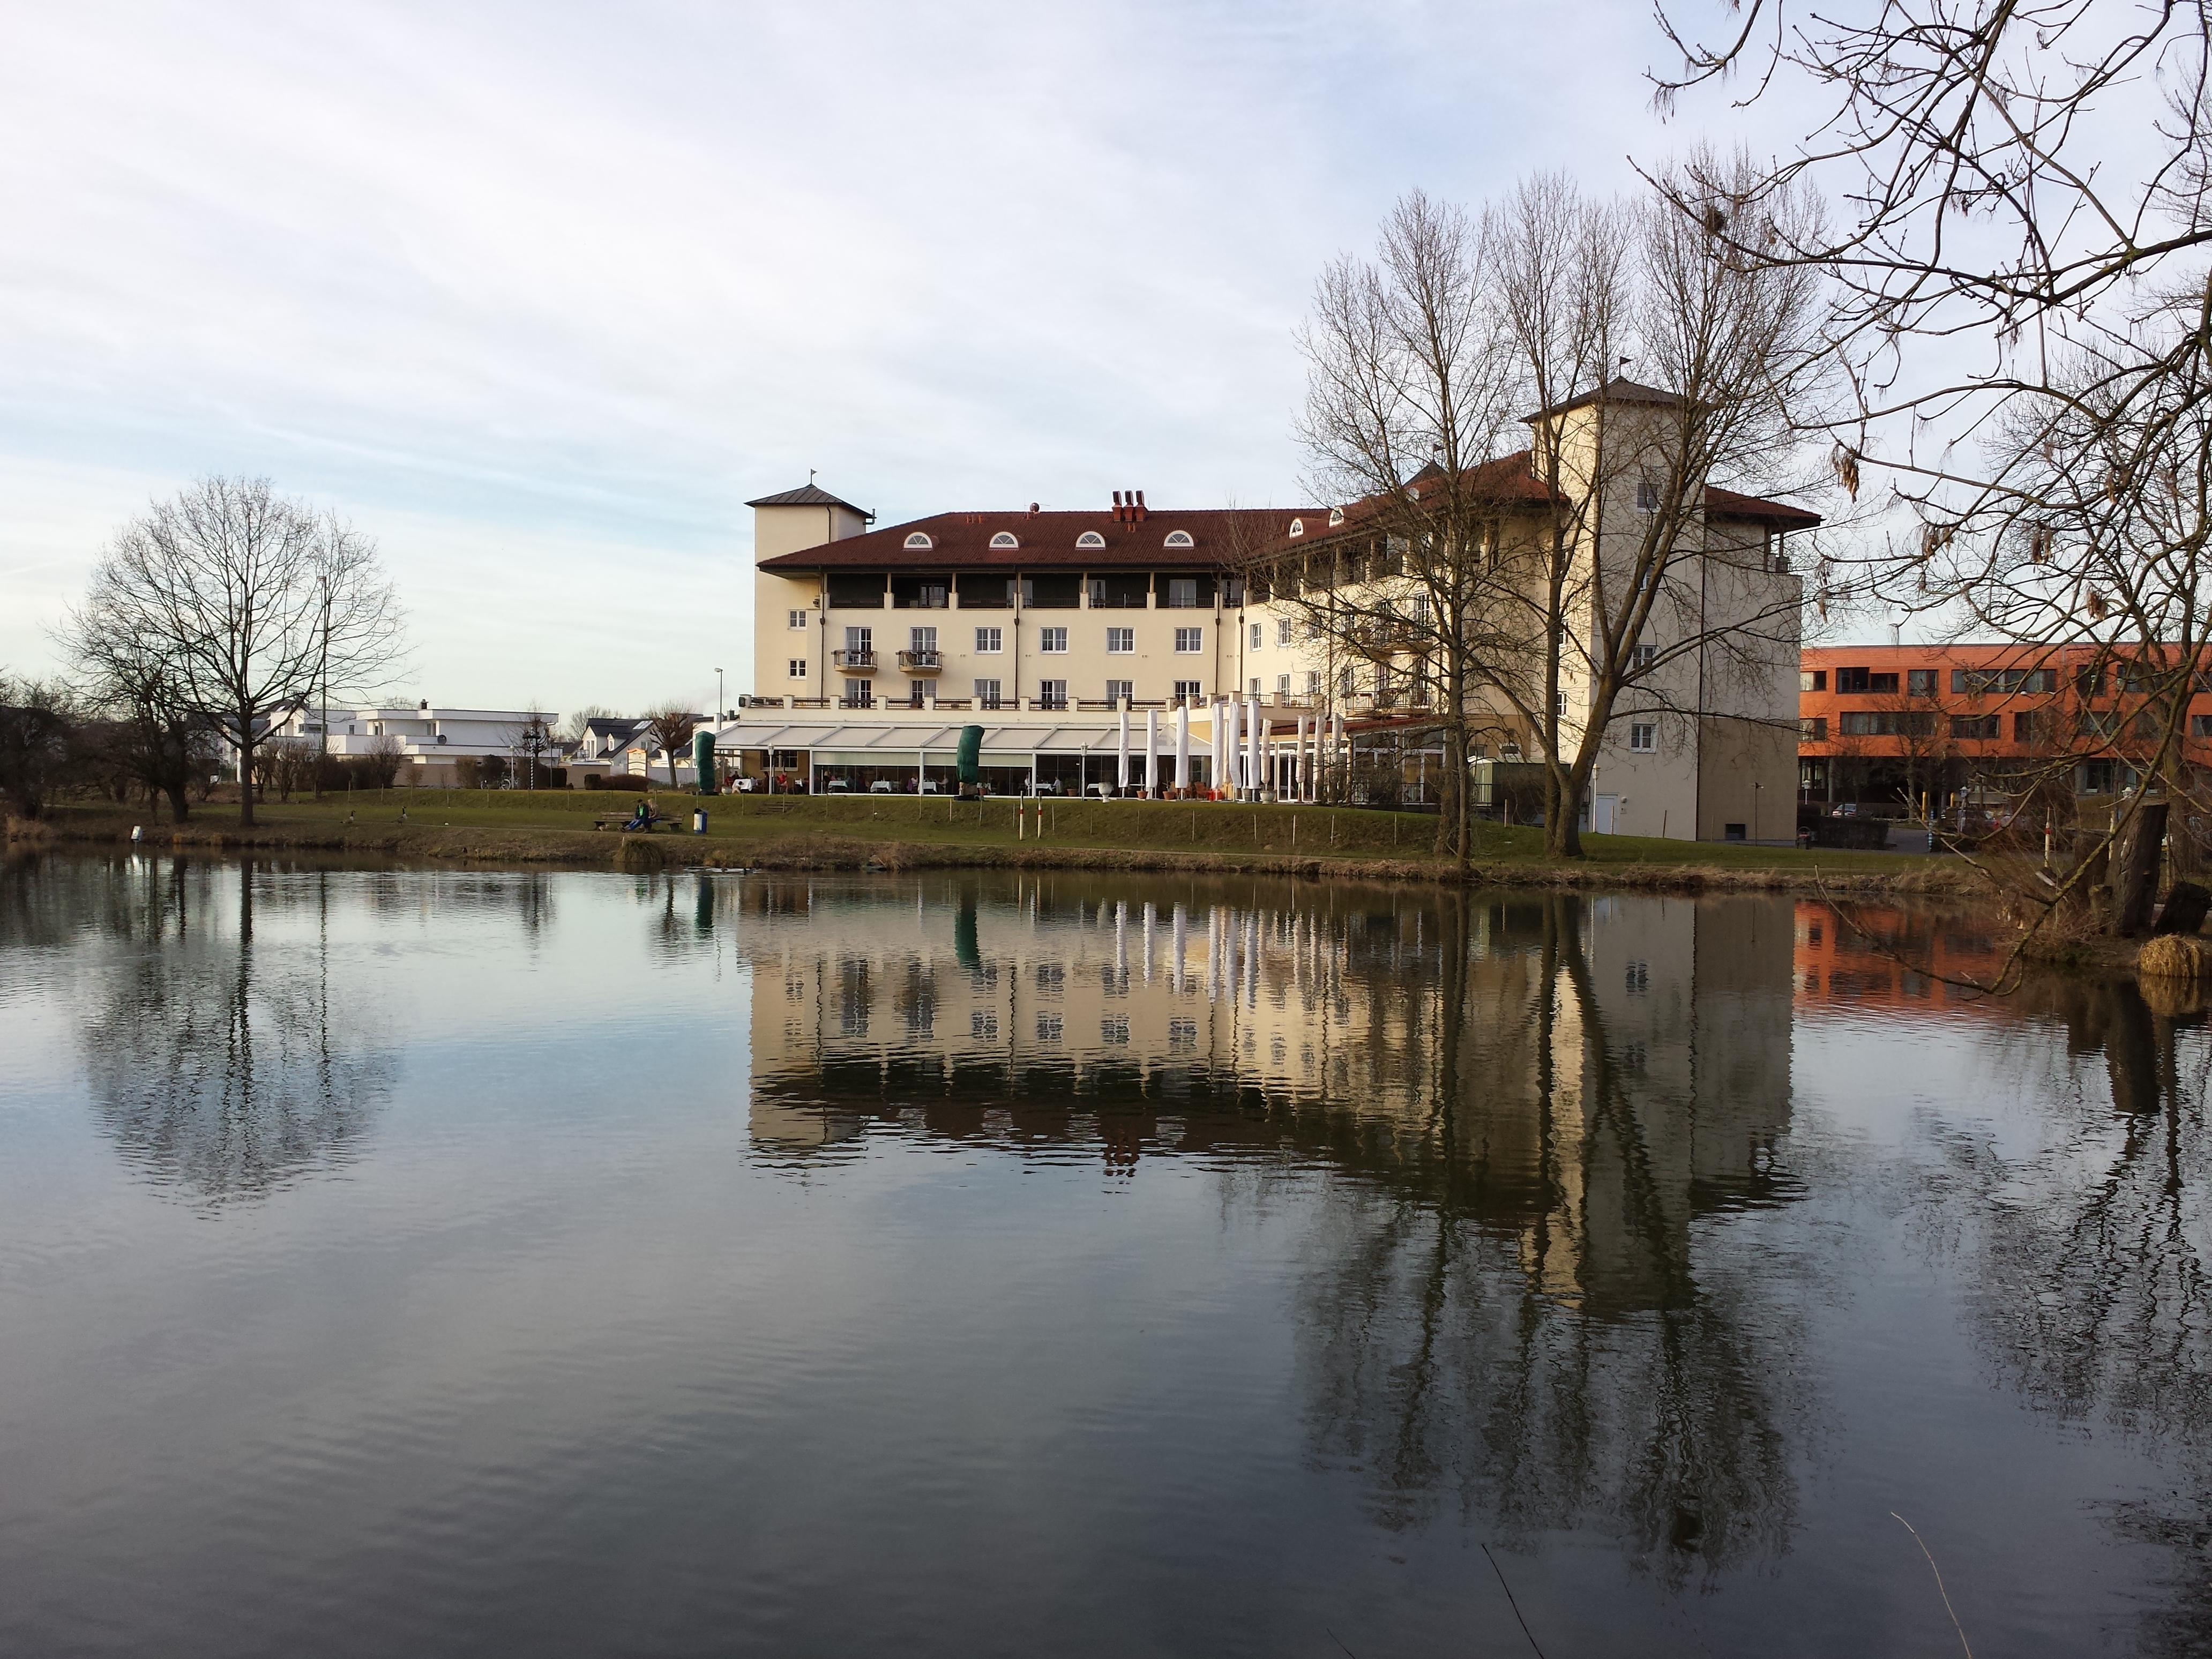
1213,828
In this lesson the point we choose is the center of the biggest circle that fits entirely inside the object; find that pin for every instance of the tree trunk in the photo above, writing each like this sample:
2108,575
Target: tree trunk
1563,827
179,807
2135,884
244,765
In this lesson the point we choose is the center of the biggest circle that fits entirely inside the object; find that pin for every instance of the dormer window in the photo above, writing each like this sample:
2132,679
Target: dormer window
1335,517
1297,527
1090,538
1005,539
919,541
1179,538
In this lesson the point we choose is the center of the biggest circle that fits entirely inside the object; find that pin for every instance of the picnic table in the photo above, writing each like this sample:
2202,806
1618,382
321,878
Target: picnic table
627,821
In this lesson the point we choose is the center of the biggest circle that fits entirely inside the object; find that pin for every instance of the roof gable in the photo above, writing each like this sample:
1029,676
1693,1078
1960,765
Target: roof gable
808,496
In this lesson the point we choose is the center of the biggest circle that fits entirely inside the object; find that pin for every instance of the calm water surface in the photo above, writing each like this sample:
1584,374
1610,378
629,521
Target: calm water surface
400,1260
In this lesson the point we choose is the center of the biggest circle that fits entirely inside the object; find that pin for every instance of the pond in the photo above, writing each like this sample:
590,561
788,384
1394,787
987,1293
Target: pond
420,1261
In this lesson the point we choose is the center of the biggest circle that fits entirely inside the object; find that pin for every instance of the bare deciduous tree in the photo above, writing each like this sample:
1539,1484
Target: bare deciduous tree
1633,598
253,602
1545,591
670,727
1407,395
155,738
38,738
2024,311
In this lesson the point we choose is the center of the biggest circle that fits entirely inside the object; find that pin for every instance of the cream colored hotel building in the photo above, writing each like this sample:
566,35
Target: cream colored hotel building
873,645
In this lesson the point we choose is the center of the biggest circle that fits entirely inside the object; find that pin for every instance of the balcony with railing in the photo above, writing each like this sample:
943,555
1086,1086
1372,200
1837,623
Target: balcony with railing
853,662
918,662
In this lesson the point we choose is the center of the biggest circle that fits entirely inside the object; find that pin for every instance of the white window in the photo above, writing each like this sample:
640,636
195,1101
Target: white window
1312,627
1255,636
1313,681
1005,539
1643,739
1642,658
1348,683
919,541
1114,1028
860,694
1052,640
1048,1027
1282,687
1090,538
1051,693
1283,631
922,641
1121,642
983,1025
987,693
1189,691
1190,639
1647,495
797,668
796,618
1178,539
1417,609
1116,691
1255,685
1560,702
1183,592
987,640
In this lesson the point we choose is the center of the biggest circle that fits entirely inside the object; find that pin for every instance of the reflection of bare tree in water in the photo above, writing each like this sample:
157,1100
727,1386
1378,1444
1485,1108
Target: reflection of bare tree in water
1521,1330
2091,1290
226,1066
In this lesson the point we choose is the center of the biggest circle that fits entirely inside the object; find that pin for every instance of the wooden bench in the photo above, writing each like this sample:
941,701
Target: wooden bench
621,821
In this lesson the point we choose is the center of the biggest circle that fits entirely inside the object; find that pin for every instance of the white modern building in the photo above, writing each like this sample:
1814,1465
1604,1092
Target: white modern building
429,741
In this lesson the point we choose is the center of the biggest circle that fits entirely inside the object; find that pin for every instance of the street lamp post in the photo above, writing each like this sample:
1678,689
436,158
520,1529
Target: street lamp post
719,704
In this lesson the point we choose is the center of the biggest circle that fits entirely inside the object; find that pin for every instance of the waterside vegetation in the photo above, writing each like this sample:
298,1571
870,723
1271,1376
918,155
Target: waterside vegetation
908,832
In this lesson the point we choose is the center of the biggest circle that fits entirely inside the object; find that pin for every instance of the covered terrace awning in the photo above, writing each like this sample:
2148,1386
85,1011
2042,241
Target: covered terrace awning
857,744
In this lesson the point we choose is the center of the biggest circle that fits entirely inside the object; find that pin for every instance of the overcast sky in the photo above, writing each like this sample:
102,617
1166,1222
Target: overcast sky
540,294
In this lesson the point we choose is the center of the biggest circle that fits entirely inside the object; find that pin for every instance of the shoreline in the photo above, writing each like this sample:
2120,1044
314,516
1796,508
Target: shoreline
829,850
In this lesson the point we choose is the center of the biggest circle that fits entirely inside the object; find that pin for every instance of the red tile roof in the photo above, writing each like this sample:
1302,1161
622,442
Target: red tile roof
962,541
1219,537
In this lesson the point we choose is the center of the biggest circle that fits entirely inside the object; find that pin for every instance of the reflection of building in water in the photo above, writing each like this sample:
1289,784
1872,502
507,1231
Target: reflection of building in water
1536,1108
1921,956
1592,1074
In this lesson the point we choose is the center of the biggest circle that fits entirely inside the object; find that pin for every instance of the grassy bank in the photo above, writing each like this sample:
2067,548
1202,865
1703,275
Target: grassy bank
903,832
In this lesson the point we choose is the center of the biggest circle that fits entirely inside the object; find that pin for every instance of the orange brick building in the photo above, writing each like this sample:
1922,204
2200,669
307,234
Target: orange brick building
1890,726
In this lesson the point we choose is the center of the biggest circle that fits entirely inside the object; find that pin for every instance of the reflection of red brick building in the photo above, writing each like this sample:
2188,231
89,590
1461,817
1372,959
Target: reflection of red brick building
1835,965
1894,723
